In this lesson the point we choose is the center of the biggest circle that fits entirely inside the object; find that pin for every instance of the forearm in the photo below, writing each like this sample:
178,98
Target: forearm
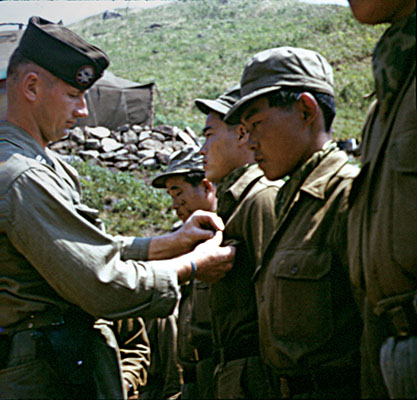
166,246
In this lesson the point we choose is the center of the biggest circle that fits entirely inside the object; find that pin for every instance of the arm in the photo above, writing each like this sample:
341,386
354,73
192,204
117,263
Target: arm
81,263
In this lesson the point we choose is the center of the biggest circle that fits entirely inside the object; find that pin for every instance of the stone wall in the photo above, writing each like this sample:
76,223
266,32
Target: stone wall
126,148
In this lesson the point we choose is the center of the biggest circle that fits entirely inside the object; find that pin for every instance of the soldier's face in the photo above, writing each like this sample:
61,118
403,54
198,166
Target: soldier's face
219,149
58,109
187,198
277,137
379,11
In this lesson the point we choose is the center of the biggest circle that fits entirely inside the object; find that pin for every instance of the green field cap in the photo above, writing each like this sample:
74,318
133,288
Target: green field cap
278,68
180,162
63,53
222,104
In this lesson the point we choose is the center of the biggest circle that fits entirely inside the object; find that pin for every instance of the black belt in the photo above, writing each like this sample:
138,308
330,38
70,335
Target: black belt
236,351
289,386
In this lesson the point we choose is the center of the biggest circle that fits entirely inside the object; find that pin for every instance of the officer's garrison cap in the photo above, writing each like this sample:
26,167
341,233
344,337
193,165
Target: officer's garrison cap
63,53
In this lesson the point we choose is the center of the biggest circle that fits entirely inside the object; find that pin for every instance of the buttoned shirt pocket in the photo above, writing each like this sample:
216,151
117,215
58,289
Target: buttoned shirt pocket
301,299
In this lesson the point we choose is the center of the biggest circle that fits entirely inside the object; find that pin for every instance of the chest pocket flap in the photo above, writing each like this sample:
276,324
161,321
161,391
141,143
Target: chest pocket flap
302,263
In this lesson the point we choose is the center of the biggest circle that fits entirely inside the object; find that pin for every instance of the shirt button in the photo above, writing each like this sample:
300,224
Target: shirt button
294,270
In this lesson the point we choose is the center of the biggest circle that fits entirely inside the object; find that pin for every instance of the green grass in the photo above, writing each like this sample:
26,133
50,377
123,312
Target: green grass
201,47
128,204
198,49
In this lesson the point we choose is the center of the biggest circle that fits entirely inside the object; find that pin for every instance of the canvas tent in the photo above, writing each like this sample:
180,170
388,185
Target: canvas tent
113,101
8,42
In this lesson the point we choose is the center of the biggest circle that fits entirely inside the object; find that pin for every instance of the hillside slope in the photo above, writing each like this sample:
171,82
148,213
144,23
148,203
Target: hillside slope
197,48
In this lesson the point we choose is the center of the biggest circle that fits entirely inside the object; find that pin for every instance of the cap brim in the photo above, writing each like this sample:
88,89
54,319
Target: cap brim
160,180
235,113
206,106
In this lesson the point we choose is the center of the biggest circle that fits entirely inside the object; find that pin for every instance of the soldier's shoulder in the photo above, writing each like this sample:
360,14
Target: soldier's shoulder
13,162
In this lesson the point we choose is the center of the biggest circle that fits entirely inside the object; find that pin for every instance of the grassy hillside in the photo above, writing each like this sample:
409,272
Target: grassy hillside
197,48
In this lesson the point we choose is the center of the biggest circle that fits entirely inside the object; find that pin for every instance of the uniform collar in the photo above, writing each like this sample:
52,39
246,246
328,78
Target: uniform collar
20,138
234,186
316,183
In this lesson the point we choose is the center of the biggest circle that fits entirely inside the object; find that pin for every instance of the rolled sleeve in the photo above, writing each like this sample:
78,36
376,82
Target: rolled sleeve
135,248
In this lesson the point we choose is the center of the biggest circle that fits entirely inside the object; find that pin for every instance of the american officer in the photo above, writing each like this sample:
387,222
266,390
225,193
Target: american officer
59,271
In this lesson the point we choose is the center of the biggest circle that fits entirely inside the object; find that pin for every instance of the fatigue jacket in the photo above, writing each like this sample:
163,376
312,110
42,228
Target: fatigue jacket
383,215
246,204
51,253
307,316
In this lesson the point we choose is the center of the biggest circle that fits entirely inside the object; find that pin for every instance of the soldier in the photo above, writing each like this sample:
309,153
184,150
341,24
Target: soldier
246,203
190,191
382,228
58,270
309,324
131,338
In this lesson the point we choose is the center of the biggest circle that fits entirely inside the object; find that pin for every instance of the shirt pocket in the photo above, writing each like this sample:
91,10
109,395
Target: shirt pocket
402,156
302,300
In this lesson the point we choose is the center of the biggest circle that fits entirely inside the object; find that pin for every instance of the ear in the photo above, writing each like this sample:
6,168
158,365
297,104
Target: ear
208,187
243,135
31,86
308,107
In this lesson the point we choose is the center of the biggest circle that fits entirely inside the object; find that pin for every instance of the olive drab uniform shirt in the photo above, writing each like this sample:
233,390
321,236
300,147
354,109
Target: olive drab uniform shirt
52,256
383,215
307,316
246,202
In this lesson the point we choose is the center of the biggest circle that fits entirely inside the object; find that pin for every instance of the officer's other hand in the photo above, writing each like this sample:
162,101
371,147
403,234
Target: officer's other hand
212,260
199,227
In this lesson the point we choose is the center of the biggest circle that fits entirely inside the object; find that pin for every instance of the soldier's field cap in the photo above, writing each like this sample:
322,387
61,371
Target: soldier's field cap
180,162
222,104
282,68
63,53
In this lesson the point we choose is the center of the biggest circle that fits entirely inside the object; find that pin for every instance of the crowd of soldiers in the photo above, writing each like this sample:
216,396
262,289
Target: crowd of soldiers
291,274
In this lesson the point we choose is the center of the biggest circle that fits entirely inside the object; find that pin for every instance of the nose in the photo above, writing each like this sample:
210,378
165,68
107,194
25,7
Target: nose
176,203
203,150
252,143
81,110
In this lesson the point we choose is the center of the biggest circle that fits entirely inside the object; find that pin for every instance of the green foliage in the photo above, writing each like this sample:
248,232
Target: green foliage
198,48
128,204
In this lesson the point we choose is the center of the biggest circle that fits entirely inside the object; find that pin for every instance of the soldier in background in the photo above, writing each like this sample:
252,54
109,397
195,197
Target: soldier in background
130,337
309,323
185,182
383,216
246,203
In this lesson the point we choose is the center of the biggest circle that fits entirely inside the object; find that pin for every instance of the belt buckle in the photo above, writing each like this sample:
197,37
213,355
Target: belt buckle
284,388
399,320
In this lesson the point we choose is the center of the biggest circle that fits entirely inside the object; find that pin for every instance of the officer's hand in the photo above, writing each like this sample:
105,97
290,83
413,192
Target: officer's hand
212,260
199,227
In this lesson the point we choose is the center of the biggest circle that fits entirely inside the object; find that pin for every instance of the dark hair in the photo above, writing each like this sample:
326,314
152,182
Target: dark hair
285,98
17,59
194,178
